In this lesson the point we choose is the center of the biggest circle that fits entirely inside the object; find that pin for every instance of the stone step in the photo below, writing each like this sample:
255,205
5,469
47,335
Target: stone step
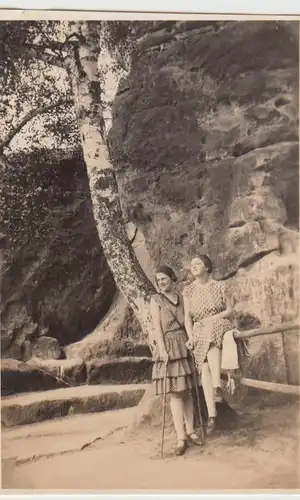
37,375
35,407
125,370
43,375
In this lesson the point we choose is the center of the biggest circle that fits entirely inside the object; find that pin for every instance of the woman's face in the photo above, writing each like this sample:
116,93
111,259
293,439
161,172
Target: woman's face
163,281
197,267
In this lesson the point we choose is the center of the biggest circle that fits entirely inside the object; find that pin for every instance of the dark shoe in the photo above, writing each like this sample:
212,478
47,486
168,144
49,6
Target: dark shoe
211,425
181,447
193,438
218,395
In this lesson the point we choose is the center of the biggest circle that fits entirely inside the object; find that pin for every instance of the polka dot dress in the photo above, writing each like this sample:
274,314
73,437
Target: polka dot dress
206,301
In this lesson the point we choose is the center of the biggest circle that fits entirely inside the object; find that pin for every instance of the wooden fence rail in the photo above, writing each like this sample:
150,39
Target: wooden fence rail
270,386
267,330
294,390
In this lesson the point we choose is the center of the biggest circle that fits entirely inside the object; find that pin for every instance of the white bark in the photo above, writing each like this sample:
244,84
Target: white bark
128,274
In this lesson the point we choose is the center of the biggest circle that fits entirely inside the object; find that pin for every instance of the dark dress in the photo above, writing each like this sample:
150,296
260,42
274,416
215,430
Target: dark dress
180,365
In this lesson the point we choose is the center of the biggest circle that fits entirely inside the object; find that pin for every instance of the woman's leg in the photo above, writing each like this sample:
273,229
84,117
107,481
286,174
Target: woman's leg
177,409
188,411
207,385
214,362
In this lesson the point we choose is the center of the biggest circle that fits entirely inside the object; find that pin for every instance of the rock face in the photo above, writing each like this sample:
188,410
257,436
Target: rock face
205,143
55,279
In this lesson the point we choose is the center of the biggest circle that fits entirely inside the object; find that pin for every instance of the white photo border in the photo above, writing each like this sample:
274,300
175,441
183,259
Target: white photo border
154,9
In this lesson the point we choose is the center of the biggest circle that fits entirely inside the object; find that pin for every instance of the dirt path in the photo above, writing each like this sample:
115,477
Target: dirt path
263,453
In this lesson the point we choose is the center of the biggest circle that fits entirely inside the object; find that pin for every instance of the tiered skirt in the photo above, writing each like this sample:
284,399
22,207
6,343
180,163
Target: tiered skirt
180,369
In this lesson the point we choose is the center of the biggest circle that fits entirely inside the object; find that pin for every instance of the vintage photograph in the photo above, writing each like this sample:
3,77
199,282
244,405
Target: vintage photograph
149,253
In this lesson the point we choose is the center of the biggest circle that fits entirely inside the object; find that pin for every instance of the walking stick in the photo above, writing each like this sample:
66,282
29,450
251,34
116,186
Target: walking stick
198,400
164,412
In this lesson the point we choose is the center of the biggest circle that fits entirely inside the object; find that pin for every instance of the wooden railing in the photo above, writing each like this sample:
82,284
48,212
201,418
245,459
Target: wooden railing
271,386
286,327
267,330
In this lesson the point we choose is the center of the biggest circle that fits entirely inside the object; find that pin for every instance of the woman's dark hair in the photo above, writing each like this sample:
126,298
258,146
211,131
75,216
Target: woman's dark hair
206,261
168,271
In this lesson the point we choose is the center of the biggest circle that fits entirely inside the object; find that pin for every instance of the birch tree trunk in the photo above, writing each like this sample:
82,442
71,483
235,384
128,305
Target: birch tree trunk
83,71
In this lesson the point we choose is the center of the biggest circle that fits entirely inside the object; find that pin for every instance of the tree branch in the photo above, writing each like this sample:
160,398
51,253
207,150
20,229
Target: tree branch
38,52
50,45
29,116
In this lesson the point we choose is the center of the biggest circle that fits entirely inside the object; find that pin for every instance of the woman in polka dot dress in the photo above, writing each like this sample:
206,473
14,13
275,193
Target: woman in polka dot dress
173,357
206,322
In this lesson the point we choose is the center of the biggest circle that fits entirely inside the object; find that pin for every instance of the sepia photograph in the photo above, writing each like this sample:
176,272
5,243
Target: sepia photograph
149,253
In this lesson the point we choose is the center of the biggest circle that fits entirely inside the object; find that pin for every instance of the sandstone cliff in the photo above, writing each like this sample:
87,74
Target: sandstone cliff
205,143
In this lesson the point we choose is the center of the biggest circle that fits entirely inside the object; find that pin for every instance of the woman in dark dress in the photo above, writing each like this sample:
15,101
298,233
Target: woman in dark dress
173,357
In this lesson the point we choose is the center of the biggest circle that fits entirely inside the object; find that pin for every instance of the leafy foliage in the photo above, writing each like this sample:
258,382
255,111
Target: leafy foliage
118,39
31,121
31,84
32,77
16,40
29,195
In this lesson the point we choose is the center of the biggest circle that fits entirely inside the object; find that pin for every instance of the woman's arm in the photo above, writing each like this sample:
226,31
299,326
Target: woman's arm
227,310
227,313
188,323
155,313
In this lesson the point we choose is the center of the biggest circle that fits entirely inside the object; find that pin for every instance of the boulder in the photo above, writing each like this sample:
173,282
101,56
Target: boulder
47,348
